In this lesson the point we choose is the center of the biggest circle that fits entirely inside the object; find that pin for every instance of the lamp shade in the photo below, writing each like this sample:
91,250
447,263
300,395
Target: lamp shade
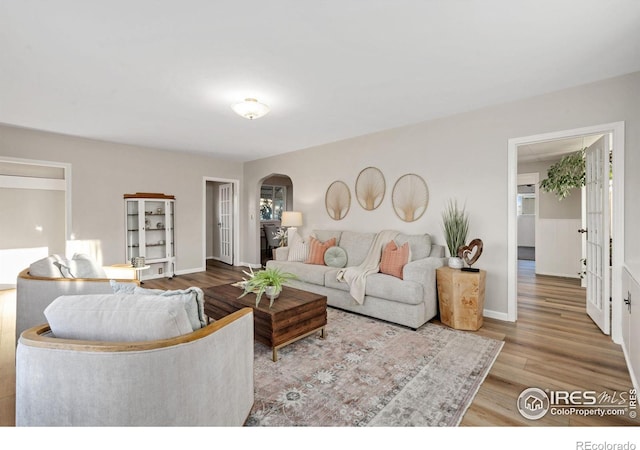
291,219
250,108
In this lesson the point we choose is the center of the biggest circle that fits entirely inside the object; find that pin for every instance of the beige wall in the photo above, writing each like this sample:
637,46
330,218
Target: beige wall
462,157
102,172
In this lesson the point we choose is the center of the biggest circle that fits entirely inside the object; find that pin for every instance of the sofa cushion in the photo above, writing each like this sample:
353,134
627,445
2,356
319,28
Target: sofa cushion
46,267
83,266
325,235
394,258
309,273
331,281
56,266
117,317
317,249
392,288
335,257
382,286
420,244
191,298
356,245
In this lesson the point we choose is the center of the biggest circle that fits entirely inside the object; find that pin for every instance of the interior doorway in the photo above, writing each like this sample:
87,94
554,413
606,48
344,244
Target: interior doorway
517,147
220,224
275,196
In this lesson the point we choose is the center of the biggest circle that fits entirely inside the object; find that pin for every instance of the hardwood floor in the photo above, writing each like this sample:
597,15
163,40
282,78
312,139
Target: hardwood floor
554,345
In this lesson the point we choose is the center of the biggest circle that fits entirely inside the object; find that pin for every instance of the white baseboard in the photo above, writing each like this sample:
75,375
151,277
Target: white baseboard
177,272
253,266
496,315
562,275
188,271
634,379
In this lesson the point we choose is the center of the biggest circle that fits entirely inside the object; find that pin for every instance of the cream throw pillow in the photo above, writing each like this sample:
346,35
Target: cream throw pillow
298,249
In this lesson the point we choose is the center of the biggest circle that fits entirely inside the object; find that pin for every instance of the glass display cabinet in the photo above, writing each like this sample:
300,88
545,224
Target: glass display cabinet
149,227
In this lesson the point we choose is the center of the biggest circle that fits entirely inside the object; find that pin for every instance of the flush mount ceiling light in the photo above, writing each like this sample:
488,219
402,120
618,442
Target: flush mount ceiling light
250,108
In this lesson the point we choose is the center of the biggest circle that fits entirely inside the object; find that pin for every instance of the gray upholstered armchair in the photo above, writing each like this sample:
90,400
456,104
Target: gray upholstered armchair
201,378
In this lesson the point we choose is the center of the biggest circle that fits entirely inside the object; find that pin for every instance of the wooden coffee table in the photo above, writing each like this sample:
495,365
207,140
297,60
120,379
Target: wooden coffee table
295,314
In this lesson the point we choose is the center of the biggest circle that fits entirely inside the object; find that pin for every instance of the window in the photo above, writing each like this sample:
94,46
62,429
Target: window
526,200
273,200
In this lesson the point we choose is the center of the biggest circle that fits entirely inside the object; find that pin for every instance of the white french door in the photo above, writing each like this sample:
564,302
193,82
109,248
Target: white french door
225,222
598,233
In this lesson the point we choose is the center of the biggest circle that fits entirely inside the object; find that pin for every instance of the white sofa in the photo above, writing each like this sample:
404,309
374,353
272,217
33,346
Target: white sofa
410,301
120,377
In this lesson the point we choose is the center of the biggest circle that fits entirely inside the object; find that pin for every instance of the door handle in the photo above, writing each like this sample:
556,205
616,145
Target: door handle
582,230
627,301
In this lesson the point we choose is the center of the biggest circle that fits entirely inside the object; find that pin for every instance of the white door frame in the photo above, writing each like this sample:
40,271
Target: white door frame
236,217
617,131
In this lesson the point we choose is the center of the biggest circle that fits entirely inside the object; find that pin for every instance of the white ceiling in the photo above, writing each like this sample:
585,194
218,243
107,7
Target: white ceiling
163,73
552,150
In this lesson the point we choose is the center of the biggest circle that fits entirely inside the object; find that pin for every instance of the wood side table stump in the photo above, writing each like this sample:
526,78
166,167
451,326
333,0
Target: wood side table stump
461,298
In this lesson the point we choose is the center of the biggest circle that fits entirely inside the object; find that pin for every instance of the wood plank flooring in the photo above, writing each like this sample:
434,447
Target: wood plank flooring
554,345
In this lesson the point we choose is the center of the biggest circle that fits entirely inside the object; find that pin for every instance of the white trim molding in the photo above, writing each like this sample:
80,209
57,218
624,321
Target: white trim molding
47,184
616,129
236,217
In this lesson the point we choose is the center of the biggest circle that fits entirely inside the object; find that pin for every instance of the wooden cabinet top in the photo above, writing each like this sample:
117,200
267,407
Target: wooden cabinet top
150,195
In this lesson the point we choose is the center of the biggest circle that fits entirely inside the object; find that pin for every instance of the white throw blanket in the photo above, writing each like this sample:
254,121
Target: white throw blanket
356,276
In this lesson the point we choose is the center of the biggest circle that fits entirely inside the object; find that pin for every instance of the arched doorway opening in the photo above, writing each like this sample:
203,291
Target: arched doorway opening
275,197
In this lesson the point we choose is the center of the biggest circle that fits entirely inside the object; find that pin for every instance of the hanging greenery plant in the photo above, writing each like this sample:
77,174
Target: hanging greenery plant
565,175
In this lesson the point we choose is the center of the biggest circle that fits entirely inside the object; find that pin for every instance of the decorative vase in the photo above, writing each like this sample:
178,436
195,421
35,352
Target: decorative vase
455,262
272,292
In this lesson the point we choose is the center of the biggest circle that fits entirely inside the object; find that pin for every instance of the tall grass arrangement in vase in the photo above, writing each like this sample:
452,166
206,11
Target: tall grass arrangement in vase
456,227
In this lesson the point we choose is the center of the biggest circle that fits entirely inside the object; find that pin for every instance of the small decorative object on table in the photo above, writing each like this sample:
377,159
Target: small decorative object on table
281,235
470,254
138,261
268,281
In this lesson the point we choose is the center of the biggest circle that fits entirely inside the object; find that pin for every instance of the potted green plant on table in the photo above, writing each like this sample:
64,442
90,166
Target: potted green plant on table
456,226
268,281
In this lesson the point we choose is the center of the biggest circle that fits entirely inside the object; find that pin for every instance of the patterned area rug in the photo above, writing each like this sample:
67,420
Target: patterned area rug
371,373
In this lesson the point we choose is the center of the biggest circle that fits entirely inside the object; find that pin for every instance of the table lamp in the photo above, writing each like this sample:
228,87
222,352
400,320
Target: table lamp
291,220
